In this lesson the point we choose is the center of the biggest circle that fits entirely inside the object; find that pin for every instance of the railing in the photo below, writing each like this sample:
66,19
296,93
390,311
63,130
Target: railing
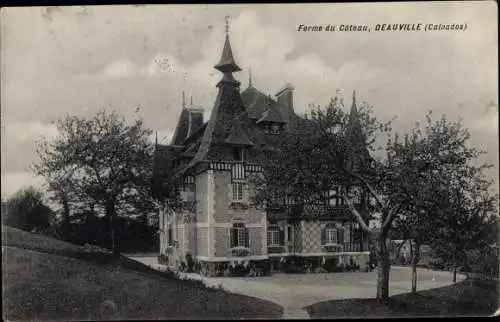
344,247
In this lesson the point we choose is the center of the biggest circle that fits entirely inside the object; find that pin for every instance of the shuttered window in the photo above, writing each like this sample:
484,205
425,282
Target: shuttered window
334,235
275,236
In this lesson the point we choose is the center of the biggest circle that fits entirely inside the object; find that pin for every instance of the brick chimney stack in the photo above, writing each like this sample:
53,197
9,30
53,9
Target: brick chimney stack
285,101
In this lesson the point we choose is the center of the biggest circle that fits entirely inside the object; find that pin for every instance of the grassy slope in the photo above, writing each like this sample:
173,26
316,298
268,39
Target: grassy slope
467,298
44,286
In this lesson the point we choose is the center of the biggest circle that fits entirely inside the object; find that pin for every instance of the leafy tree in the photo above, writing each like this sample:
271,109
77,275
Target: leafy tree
468,219
26,210
332,148
105,161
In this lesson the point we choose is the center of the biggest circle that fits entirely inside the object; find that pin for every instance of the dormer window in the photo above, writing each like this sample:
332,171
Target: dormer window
275,129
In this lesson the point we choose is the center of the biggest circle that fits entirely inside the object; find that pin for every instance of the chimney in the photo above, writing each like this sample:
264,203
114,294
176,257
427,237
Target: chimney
195,118
285,101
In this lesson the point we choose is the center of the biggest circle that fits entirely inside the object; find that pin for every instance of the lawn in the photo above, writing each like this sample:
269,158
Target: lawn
467,298
41,284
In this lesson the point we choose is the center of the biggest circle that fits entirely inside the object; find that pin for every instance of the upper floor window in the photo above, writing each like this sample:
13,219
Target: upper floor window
239,235
355,195
334,197
238,154
238,191
275,129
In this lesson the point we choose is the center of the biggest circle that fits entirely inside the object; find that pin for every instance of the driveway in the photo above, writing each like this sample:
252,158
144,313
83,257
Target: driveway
296,291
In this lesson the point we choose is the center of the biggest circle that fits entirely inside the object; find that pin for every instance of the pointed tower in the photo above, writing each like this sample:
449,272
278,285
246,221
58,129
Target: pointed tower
229,125
359,154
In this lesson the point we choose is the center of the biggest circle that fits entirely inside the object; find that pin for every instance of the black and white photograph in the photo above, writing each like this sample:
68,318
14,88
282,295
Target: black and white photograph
250,161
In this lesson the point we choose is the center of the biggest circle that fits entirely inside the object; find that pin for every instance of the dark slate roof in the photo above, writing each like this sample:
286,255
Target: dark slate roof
164,156
237,136
256,102
227,63
182,128
271,115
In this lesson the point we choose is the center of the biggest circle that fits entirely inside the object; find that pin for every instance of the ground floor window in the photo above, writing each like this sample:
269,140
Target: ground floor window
239,235
275,236
332,235
170,236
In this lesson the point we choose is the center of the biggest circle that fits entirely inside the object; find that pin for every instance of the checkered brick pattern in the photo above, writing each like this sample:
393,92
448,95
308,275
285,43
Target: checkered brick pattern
297,238
311,236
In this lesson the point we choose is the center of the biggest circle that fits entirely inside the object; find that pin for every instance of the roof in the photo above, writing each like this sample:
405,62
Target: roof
182,128
271,115
237,136
227,63
256,102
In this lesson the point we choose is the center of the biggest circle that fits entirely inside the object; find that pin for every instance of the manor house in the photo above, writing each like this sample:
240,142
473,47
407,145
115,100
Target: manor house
214,158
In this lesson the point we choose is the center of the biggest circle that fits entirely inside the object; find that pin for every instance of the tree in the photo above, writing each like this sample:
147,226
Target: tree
105,161
26,210
332,148
468,218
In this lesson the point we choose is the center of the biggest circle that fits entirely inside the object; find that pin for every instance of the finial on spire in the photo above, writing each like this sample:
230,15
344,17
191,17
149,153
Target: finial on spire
156,138
191,99
183,99
354,97
227,24
249,76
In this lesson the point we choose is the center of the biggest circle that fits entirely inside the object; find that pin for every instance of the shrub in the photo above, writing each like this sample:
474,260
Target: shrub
189,263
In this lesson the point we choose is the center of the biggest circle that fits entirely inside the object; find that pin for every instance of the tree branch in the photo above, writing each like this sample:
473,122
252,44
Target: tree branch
357,215
368,186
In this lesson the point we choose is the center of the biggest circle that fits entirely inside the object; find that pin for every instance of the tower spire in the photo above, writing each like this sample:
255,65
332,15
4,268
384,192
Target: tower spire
354,98
183,99
227,65
249,76
227,25
191,100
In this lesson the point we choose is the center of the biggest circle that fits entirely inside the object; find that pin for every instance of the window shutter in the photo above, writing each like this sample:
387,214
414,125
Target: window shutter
282,237
247,241
234,237
347,234
323,236
340,236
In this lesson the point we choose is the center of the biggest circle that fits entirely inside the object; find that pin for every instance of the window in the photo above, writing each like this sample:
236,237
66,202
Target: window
238,191
239,235
275,129
334,198
238,154
332,235
355,195
290,233
170,236
275,236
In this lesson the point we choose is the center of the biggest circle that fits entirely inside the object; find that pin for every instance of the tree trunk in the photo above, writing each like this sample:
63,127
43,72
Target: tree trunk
384,266
454,268
110,212
66,227
415,258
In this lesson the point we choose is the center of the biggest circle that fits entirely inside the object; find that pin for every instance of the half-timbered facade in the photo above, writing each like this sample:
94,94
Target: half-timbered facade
218,228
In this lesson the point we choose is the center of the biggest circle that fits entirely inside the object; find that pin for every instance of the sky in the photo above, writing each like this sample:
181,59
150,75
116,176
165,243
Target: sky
62,61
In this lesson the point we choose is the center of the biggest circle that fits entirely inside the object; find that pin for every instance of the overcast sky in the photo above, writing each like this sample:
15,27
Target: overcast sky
76,60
